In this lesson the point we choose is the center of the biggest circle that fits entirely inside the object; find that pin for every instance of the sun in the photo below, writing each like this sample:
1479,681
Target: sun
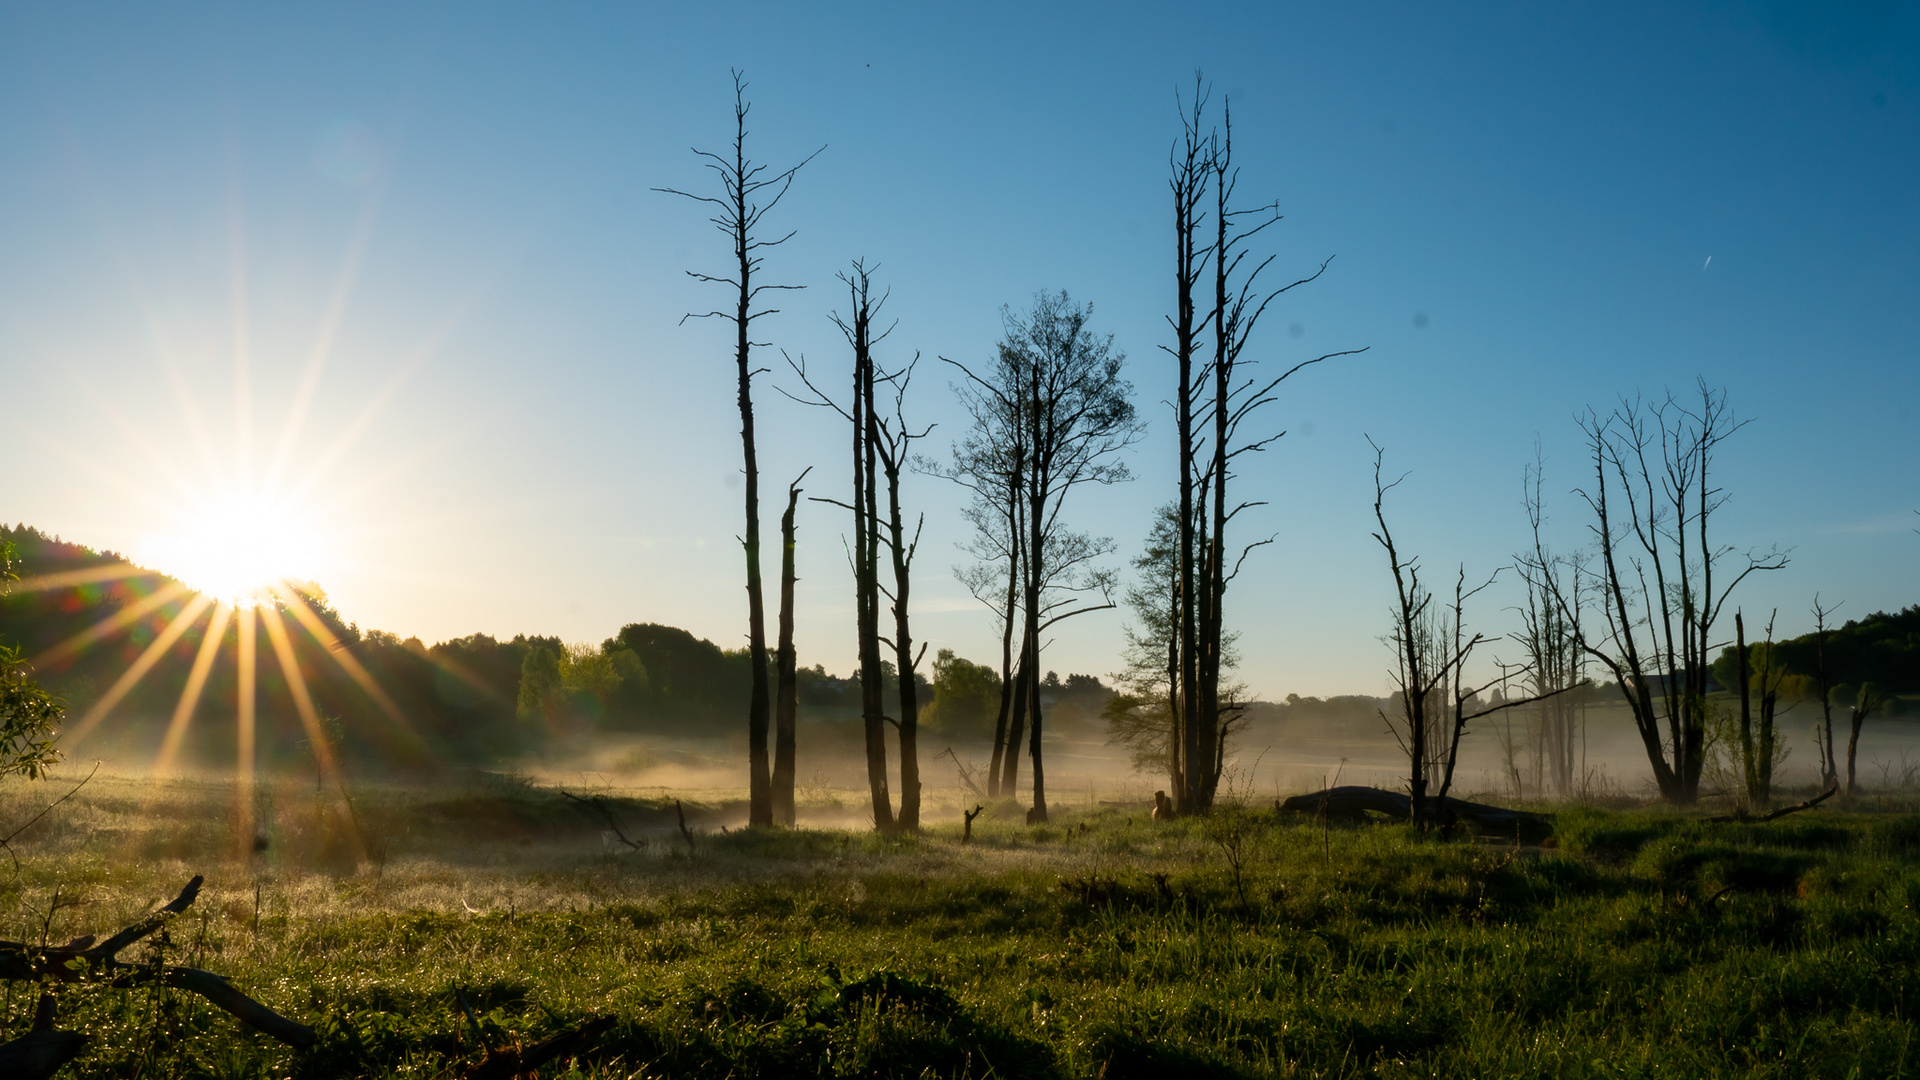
239,547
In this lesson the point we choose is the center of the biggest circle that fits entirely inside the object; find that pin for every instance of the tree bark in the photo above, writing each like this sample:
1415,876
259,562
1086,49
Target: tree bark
866,544
1010,764
787,704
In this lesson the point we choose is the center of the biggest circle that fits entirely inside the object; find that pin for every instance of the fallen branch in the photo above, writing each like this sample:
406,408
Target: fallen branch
81,961
1742,815
598,806
966,775
1351,803
513,1062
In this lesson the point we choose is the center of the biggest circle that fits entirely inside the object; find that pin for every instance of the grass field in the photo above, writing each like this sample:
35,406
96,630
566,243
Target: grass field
1646,943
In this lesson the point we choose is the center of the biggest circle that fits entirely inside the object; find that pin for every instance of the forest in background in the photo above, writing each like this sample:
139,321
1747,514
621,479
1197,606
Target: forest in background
478,699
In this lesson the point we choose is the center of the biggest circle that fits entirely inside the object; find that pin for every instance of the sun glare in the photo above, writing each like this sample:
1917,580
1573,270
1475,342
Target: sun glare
237,549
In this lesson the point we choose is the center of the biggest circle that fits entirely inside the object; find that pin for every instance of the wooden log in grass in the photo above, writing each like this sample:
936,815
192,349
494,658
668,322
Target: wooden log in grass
1351,803
513,1062
38,1053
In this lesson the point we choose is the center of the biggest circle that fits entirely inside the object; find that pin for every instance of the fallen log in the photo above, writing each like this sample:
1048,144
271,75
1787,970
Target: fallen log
1741,814
513,1062
1351,803
82,961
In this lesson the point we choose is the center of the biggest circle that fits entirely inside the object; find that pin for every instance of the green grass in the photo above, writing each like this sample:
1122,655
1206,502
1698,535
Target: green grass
1649,943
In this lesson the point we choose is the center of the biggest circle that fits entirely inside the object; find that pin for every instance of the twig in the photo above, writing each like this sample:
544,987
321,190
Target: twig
479,1036
598,806
684,831
7,842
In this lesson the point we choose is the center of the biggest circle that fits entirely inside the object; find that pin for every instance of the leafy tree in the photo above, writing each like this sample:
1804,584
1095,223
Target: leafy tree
1062,383
539,685
28,714
966,697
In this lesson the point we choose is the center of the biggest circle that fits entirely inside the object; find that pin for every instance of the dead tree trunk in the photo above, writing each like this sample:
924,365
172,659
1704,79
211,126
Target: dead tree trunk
1017,726
1823,738
787,686
739,213
866,532
1190,170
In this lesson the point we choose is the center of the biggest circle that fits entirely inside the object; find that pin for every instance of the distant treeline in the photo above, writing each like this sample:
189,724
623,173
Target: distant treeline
1882,649
468,700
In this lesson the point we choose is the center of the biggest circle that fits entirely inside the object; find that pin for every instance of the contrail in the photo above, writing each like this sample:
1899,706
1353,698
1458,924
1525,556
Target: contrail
1708,263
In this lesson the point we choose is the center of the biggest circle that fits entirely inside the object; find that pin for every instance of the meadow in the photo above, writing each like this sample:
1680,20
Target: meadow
488,910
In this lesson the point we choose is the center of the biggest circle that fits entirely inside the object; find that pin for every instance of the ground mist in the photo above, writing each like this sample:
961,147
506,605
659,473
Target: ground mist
1646,943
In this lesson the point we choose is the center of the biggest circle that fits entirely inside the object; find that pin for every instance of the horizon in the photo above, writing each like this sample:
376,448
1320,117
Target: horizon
442,305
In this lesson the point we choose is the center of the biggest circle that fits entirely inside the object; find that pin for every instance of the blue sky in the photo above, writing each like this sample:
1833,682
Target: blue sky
511,430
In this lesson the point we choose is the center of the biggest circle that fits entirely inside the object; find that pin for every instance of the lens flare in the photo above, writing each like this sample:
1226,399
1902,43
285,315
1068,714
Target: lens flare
238,549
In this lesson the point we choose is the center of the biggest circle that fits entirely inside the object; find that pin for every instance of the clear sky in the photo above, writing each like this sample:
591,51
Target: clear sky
401,265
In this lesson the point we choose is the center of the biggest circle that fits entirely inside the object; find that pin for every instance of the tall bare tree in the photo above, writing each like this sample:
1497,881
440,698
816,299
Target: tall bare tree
893,444
882,447
1190,176
748,193
1211,404
1653,498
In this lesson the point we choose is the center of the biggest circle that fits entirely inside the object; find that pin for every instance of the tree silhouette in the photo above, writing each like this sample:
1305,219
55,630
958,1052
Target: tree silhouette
748,193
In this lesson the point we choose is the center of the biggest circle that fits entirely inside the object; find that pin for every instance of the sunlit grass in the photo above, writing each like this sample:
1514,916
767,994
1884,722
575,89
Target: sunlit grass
1649,943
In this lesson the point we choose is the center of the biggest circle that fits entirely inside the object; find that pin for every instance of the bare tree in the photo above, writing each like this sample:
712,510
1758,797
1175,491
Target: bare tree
1653,499
1866,701
1551,640
893,443
1433,649
882,446
1823,736
1210,406
1758,745
1190,177
787,686
748,193
1063,385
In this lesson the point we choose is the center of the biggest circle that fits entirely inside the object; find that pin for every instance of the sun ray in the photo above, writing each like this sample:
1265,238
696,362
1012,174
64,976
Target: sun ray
65,579
137,670
196,683
242,315
114,241
335,314
297,606
119,620
421,354
310,719
153,453
246,677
